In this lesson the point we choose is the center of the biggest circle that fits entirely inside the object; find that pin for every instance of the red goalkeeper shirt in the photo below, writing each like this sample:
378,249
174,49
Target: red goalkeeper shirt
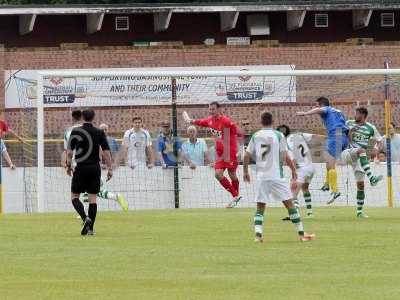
226,133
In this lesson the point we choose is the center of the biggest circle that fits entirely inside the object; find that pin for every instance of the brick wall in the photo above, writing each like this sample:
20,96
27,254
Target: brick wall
345,91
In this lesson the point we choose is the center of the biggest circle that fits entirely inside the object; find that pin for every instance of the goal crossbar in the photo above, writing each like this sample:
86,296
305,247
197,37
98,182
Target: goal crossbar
216,73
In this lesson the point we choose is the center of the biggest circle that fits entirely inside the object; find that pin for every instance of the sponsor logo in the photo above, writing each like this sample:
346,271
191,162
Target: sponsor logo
245,88
56,80
58,99
62,86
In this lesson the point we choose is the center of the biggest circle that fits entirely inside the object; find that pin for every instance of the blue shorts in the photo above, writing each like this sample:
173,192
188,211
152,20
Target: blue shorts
335,145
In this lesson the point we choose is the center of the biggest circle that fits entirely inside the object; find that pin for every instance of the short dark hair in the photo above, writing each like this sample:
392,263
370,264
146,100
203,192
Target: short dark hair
88,115
266,118
323,101
136,118
216,103
394,125
362,110
285,128
76,115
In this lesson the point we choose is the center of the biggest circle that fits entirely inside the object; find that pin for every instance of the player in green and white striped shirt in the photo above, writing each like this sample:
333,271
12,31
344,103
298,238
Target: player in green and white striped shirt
361,134
104,193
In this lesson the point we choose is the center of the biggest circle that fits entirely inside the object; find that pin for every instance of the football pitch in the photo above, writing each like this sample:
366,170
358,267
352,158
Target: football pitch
200,254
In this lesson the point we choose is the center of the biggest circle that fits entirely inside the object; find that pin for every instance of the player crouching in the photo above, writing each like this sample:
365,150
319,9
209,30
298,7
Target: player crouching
361,134
266,146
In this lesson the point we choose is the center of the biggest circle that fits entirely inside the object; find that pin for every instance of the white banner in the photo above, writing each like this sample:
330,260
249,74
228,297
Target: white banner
20,88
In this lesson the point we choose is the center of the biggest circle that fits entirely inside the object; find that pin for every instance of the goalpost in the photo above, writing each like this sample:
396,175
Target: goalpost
255,90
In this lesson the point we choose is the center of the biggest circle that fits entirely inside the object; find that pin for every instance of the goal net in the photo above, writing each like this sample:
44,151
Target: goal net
158,97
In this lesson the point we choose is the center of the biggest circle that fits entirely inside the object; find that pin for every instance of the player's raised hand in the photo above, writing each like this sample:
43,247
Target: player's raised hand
246,177
300,113
186,117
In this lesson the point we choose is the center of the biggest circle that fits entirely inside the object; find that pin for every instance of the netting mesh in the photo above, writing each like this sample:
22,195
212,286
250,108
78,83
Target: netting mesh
117,100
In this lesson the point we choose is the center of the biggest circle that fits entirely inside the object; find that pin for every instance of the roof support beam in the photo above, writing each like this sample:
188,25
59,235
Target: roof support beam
161,20
228,19
295,19
26,24
361,18
94,22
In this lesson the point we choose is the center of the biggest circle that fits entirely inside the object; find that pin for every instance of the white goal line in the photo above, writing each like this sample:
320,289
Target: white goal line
217,73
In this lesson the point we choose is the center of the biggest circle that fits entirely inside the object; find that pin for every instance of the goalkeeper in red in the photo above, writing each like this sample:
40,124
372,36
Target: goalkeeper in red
226,147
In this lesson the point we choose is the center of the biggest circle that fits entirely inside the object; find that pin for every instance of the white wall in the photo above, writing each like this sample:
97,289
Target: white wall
154,189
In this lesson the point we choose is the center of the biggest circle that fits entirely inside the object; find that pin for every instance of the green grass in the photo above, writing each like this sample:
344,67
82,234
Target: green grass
200,254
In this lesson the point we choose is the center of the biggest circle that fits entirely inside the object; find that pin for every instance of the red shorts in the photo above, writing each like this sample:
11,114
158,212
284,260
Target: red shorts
222,165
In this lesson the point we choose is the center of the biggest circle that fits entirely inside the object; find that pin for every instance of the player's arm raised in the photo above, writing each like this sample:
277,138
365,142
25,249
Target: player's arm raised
314,111
198,122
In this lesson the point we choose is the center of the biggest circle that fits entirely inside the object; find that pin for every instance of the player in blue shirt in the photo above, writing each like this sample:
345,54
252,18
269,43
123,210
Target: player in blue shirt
338,140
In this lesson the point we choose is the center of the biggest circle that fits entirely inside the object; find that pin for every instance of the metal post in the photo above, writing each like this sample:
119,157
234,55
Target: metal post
388,119
40,145
175,138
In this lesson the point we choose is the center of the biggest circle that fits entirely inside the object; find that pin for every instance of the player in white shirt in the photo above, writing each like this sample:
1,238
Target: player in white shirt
104,193
301,154
137,146
267,146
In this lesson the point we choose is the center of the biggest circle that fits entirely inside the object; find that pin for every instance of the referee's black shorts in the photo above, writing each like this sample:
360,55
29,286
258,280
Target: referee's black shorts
86,178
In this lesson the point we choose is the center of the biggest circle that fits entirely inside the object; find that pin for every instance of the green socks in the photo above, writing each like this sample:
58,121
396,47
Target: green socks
307,200
259,221
360,201
365,165
295,218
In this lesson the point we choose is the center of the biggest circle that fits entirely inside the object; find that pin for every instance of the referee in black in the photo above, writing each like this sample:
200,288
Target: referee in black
85,143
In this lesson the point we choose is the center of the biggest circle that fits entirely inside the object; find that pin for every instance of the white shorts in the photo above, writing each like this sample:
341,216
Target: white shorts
349,156
305,174
278,189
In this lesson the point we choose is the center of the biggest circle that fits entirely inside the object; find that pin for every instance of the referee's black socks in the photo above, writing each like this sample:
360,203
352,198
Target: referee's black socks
79,208
92,213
